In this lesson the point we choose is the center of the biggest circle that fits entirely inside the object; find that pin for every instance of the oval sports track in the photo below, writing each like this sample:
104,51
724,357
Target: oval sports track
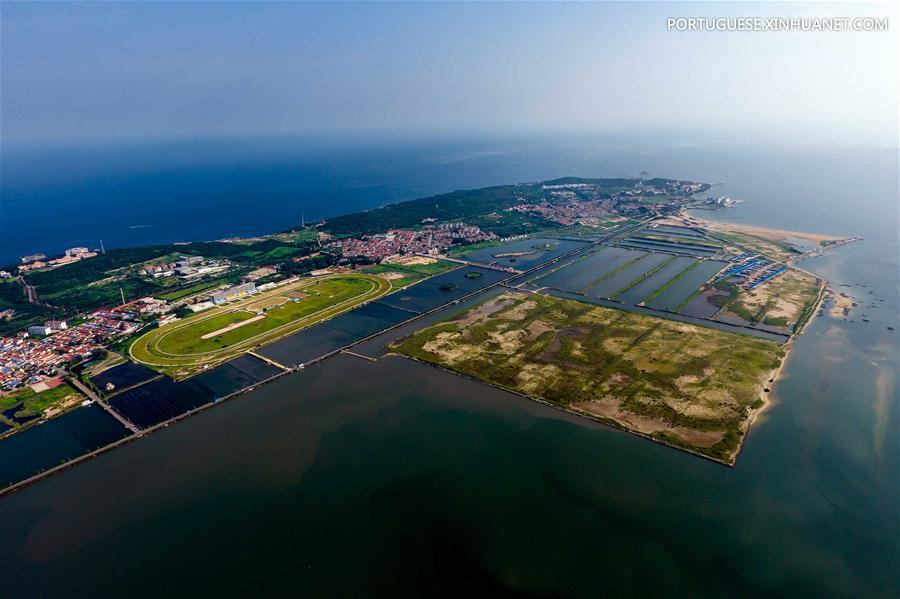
223,332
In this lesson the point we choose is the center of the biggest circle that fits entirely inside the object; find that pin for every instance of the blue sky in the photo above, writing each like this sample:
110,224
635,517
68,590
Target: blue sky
155,69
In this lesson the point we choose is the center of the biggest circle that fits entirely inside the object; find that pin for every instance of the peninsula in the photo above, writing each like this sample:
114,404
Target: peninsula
603,297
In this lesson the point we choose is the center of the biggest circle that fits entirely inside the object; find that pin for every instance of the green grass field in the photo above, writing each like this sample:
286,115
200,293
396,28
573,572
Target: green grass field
187,340
180,345
27,402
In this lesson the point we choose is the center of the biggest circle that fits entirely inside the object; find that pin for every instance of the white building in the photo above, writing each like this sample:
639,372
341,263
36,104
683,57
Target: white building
41,330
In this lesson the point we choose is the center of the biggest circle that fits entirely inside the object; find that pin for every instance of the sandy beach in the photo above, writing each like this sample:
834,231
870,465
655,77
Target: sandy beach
767,232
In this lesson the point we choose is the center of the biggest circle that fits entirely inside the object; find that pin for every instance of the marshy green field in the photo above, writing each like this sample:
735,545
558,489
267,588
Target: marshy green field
682,384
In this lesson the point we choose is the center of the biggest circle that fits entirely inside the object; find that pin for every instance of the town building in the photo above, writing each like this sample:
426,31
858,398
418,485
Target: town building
40,330
234,292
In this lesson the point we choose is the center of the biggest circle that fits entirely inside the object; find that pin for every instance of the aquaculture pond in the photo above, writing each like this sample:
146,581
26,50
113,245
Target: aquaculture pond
646,287
665,246
306,345
369,319
122,376
234,375
522,254
581,273
703,305
674,232
613,284
56,441
157,401
681,290
443,289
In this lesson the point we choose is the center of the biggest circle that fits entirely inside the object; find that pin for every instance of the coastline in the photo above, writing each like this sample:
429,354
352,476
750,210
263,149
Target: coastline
778,373
767,402
746,426
610,422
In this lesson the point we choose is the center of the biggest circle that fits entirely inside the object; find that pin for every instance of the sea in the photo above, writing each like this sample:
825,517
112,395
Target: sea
392,478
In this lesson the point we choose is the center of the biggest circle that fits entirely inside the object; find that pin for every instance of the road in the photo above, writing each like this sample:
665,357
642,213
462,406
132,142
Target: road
30,293
96,398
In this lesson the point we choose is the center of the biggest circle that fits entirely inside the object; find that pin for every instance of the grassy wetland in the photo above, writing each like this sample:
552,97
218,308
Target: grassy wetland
684,385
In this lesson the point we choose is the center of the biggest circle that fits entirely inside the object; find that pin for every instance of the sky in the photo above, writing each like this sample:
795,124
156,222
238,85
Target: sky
73,71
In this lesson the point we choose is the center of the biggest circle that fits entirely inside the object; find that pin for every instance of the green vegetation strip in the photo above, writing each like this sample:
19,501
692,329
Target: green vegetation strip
671,282
689,298
613,273
646,275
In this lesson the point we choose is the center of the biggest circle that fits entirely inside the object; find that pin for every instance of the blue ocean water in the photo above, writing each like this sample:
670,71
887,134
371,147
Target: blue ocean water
361,478
138,194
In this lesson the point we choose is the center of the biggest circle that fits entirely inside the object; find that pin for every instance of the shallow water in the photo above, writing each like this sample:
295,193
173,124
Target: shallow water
384,478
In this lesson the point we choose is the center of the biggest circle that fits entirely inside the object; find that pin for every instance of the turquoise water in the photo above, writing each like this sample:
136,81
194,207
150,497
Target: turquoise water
394,478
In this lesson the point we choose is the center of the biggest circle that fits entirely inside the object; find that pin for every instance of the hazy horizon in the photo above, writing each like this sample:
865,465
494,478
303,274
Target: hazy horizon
97,72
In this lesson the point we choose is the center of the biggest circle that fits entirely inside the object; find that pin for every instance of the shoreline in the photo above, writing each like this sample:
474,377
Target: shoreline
96,452
610,422
774,377
765,232
778,374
